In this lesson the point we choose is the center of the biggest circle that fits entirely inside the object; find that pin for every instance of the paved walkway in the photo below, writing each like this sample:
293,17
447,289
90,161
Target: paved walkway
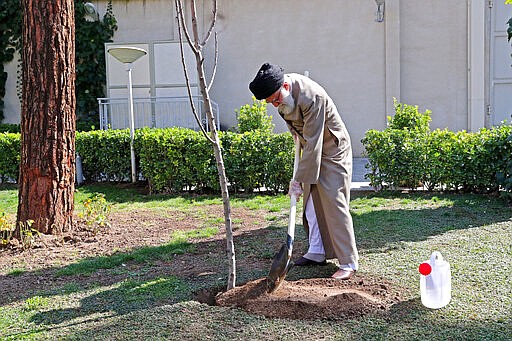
358,172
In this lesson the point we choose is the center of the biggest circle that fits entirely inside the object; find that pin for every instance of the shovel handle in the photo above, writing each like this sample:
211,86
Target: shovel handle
282,260
297,155
293,200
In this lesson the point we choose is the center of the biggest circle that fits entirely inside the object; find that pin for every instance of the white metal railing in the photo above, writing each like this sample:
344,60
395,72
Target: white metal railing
154,112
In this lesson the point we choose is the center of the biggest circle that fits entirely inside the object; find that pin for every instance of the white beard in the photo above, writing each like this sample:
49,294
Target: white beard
287,105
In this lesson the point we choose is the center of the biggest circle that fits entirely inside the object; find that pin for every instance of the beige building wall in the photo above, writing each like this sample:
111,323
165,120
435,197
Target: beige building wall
141,21
327,45
419,54
433,58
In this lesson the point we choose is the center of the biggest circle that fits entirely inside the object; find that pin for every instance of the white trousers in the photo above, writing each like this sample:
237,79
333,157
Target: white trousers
315,238
316,251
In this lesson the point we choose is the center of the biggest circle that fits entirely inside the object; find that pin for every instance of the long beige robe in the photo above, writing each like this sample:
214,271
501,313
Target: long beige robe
325,168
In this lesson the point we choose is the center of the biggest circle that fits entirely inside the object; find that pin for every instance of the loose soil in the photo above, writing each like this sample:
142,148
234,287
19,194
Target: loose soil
315,297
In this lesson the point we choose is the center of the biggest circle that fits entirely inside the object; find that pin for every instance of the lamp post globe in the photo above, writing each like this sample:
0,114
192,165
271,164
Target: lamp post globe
127,55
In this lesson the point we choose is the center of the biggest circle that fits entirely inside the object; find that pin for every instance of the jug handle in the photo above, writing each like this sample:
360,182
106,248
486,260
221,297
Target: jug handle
436,257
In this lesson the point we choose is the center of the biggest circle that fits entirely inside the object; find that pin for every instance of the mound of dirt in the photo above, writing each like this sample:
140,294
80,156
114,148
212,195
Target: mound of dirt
316,298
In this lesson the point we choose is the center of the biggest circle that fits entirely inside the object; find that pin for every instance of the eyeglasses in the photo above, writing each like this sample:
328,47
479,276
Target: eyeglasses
276,100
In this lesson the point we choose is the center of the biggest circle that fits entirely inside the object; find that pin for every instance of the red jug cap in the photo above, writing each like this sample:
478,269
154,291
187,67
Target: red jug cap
425,269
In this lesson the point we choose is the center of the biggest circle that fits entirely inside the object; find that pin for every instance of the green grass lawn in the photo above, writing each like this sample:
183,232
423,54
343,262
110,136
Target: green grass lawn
395,232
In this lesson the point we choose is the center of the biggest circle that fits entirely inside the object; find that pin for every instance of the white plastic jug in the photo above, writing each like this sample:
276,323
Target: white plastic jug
436,286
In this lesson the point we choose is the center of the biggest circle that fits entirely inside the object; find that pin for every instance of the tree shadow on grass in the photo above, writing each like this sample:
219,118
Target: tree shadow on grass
126,297
162,285
407,320
382,228
165,283
375,229
417,322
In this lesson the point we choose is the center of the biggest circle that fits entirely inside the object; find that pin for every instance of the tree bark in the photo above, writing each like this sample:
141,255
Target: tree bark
47,165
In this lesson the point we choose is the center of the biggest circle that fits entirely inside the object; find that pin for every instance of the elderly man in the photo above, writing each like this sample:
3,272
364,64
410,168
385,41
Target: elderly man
325,169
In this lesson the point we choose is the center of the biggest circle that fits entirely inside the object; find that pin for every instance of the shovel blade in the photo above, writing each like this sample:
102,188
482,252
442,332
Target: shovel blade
281,264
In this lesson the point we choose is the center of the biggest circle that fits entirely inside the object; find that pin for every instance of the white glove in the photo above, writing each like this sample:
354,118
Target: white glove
295,189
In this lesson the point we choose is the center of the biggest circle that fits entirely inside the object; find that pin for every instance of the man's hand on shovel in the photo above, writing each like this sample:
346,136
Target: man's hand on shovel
295,189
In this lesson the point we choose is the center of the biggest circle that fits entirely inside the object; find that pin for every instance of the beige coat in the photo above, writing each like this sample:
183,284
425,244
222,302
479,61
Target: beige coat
325,168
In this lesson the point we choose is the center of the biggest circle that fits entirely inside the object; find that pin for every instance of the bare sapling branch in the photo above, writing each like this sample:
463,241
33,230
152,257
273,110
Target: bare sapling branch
195,31
212,24
214,137
181,18
215,63
187,79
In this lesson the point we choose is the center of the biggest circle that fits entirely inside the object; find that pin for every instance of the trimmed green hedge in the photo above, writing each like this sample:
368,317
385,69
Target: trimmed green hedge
175,159
105,154
257,159
9,156
412,155
403,155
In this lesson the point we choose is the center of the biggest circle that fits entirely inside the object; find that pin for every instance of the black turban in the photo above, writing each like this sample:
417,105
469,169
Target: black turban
267,81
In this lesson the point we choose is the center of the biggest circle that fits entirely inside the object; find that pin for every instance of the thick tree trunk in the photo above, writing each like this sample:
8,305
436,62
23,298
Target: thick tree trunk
47,165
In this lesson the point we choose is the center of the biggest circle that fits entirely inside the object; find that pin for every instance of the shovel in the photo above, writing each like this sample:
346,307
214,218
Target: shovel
282,262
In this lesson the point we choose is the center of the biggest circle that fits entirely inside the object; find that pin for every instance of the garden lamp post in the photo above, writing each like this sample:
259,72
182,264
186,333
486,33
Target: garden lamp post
128,55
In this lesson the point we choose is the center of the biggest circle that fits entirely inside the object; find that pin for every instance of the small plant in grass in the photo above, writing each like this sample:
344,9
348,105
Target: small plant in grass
95,213
6,229
28,235
36,303
16,272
